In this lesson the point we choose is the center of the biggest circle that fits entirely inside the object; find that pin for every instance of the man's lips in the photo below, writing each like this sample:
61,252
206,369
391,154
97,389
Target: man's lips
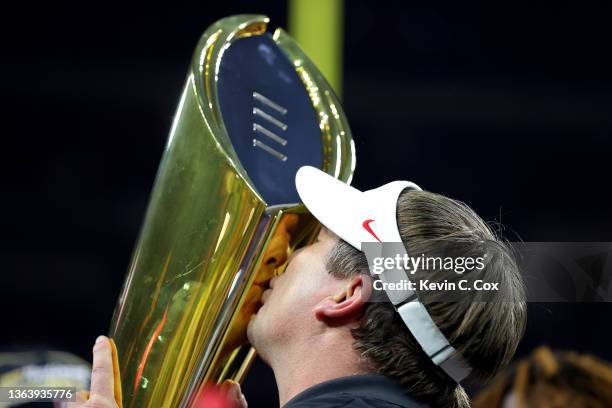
261,293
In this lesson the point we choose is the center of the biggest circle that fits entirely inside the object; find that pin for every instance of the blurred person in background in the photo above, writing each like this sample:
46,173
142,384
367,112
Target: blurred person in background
548,379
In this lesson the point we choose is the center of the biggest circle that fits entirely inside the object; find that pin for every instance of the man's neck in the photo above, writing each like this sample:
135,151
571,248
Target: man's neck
321,358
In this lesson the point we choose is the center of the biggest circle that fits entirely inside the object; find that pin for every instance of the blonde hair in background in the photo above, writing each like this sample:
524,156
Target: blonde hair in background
549,379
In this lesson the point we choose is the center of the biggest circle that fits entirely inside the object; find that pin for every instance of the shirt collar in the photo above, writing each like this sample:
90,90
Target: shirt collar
368,385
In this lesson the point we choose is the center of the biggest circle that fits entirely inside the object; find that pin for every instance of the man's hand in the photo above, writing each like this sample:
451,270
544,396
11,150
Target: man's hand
102,388
234,393
227,395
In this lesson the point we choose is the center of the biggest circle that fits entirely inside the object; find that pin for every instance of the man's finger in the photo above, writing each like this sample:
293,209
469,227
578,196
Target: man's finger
234,393
102,382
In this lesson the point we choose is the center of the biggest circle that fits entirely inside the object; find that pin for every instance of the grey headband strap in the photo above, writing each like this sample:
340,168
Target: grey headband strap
418,320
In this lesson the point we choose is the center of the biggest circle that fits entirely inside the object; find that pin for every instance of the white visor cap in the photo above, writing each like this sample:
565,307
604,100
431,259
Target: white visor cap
354,216
371,216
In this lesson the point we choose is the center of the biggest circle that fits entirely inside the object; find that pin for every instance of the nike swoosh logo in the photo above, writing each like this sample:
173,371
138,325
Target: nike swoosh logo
366,226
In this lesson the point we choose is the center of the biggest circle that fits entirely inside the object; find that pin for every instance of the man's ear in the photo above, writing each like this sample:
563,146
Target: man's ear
348,303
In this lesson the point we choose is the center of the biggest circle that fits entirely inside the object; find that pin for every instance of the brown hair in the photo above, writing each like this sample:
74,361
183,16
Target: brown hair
485,333
552,380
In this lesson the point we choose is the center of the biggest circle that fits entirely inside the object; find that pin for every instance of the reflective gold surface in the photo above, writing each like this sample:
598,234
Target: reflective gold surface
209,243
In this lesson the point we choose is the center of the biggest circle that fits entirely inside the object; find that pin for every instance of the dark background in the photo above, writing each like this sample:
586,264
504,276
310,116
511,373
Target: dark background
505,105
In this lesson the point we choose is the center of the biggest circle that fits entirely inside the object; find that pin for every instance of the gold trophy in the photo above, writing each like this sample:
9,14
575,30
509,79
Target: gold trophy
224,213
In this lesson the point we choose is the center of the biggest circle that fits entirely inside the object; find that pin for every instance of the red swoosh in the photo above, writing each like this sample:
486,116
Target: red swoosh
145,355
366,225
